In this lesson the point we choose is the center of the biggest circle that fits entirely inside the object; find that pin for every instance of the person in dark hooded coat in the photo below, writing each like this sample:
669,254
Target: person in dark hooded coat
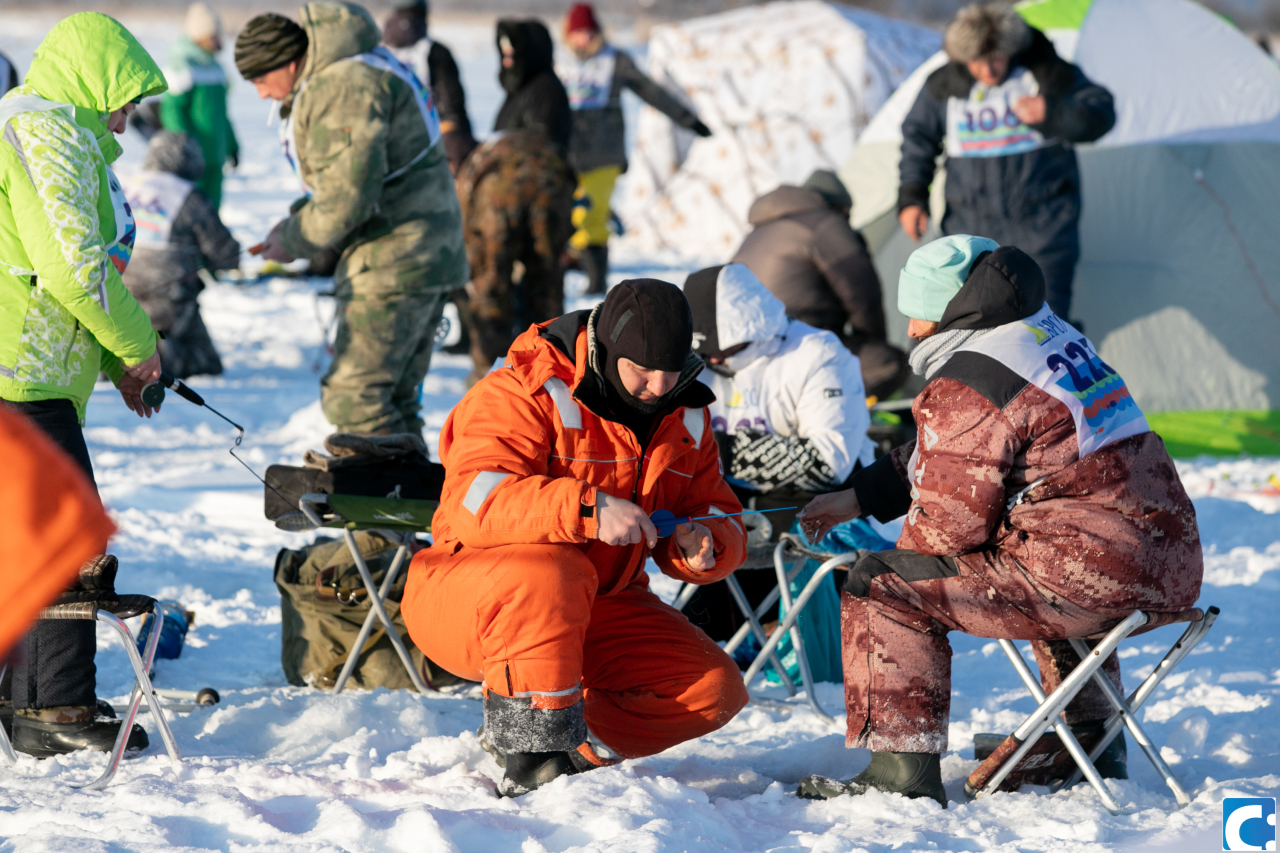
1005,111
536,99
179,233
516,192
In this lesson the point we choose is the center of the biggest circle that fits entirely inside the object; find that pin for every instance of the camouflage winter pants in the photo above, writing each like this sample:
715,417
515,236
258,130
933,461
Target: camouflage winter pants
517,207
381,354
897,608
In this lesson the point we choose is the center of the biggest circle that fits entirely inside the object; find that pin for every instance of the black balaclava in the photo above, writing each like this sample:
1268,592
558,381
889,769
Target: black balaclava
648,322
700,291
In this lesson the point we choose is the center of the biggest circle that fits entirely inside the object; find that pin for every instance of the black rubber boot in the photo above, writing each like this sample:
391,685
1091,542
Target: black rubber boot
43,739
528,771
913,774
594,261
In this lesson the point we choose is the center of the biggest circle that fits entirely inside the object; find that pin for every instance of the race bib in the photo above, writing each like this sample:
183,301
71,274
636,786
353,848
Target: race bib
121,249
589,82
1054,356
156,198
985,124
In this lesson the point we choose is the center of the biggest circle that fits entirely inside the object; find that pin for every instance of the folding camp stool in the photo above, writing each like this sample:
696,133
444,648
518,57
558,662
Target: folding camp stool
788,544
399,517
1006,757
113,614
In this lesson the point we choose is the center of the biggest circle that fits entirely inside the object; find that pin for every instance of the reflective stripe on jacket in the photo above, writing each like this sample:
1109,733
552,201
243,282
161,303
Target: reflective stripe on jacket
524,458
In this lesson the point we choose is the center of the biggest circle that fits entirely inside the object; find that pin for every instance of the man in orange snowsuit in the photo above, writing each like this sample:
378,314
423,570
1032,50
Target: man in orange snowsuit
536,582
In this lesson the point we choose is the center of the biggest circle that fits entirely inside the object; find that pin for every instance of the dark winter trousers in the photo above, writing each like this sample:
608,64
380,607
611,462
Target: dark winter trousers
55,665
897,608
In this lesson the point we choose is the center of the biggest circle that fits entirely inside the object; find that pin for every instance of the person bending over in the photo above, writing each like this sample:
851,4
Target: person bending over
536,582
805,251
1038,504
790,413
359,129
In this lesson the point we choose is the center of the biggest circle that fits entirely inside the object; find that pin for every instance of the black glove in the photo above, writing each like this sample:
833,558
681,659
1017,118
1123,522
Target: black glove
699,128
234,160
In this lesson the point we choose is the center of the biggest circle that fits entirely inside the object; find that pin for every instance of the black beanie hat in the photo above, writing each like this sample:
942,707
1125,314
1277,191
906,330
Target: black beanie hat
648,322
268,42
700,291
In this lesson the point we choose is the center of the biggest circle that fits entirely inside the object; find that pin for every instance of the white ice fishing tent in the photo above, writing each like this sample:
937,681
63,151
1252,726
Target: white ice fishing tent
1179,279
786,87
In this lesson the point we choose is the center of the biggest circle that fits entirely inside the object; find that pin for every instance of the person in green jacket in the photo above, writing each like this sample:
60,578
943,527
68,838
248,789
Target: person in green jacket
365,141
196,103
66,234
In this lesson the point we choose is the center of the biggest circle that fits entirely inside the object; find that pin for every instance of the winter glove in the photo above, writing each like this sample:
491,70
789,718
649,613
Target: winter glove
699,128
770,461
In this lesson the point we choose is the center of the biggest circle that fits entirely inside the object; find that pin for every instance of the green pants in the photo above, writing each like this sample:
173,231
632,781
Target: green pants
381,355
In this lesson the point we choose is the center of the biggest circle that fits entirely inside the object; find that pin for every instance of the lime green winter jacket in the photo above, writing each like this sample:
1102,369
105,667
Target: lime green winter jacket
64,312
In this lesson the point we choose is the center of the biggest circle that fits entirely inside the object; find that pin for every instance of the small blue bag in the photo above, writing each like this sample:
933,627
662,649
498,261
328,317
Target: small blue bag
173,629
820,622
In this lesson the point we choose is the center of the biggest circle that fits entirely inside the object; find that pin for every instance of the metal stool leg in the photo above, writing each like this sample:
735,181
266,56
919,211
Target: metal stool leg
797,642
1033,727
142,685
367,628
1083,762
1131,722
376,603
6,748
753,622
793,614
1194,633
685,595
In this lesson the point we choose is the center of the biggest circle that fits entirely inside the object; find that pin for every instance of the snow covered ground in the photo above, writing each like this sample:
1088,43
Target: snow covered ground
284,768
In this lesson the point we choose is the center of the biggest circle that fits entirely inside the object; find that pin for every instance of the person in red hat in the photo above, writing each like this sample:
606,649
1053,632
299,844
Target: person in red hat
594,75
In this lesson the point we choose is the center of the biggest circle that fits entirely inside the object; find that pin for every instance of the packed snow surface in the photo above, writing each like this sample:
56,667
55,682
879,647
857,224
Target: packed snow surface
286,768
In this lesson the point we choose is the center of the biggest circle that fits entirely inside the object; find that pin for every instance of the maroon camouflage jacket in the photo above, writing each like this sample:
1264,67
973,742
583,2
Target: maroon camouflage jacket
1111,532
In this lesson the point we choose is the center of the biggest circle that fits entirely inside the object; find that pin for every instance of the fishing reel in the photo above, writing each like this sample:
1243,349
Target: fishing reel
153,392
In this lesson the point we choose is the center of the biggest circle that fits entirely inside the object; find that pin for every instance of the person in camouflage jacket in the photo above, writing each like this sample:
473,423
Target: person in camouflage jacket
517,198
364,138
1038,503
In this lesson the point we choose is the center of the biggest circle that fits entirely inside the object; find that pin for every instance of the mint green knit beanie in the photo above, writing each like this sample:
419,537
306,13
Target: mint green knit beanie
935,272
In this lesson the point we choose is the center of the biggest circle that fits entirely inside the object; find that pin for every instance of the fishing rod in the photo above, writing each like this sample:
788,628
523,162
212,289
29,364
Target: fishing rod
666,521
153,395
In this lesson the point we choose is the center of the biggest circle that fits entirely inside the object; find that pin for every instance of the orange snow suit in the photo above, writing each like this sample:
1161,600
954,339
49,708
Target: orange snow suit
519,593
53,523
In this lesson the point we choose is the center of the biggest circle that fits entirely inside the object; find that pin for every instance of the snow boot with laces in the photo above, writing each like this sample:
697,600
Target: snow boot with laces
912,774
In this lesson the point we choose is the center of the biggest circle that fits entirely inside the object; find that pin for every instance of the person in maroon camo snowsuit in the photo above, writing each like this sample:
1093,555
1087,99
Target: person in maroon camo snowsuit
1028,516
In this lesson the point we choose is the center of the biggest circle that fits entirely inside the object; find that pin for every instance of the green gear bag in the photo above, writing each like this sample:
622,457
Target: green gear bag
323,604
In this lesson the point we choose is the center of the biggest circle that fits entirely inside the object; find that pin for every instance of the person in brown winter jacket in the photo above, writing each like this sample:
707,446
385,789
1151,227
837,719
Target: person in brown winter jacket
1038,503
807,254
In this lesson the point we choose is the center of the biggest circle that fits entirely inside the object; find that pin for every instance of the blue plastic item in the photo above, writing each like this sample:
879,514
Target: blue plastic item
173,629
666,521
820,622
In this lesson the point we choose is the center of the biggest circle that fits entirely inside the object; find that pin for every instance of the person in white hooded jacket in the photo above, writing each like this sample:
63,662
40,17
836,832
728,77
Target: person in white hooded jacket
790,412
